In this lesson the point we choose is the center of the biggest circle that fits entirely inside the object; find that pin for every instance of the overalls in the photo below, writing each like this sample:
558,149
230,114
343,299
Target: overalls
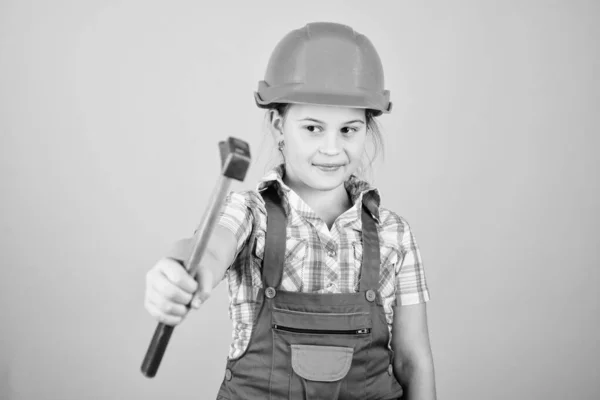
308,346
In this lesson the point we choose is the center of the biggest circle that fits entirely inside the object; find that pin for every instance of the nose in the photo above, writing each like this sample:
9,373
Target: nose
330,145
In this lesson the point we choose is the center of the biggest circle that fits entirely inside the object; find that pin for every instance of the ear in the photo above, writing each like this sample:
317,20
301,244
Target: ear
276,125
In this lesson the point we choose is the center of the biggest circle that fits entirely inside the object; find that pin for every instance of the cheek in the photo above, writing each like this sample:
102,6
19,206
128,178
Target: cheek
356,148
298,147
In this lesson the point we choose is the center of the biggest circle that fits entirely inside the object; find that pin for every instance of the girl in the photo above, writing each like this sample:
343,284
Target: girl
327,290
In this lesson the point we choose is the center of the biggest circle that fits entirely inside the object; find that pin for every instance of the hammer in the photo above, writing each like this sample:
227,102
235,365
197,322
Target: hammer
235,162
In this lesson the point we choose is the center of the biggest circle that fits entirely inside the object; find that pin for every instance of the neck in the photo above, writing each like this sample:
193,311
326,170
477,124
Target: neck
327,204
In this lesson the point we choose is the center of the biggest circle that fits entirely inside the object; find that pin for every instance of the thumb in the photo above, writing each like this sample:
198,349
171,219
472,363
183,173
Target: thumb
204,276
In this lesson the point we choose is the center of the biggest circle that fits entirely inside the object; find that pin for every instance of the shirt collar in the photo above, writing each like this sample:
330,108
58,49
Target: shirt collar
358,190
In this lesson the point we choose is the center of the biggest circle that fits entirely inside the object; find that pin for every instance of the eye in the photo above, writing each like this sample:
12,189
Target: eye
313,128
348,130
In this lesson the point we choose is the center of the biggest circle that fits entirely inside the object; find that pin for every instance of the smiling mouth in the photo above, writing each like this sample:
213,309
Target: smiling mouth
328,167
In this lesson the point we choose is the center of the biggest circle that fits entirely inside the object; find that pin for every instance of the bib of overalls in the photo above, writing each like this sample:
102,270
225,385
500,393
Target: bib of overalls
309,346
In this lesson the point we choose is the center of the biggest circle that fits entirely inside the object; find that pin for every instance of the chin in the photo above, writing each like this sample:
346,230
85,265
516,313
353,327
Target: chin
324,182
325,186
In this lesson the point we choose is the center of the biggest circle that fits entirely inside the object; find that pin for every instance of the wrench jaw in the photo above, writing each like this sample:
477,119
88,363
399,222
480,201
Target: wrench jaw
235,158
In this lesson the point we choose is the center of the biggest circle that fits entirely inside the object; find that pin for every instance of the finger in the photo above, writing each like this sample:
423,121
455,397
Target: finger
156,280
165,306
164,289
196,302
162,317
204,276
168,307
168,290
177,274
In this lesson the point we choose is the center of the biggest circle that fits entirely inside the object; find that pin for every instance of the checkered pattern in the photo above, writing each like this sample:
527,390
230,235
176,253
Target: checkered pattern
317,260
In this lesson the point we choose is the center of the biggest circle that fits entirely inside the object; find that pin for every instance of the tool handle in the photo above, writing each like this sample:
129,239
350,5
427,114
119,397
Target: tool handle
235,161
156,350
163,332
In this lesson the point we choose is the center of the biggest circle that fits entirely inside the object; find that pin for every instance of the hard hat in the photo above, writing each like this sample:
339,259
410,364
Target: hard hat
328,64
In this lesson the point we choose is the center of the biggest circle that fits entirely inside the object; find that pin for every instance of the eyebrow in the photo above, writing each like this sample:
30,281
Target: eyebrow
321,122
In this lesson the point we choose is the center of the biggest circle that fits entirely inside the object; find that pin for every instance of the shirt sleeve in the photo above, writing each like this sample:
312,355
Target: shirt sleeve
235,216
411,285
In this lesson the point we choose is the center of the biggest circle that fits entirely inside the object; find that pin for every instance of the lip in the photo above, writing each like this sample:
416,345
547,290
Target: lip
329,165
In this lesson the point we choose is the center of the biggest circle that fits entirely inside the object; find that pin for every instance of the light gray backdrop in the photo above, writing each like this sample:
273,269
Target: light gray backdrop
110,114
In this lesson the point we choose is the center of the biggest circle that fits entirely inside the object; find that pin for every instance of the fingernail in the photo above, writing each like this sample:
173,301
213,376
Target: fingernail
196,303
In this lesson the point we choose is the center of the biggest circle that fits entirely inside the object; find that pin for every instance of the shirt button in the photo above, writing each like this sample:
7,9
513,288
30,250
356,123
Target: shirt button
331,253
270,292
228,374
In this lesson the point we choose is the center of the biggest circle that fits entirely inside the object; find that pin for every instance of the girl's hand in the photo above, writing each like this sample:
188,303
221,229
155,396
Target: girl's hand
169,289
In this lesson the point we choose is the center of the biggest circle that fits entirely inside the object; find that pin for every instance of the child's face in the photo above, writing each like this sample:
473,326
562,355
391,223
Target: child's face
323,145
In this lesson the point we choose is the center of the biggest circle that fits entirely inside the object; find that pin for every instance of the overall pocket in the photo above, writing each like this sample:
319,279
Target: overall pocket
320,370
314,354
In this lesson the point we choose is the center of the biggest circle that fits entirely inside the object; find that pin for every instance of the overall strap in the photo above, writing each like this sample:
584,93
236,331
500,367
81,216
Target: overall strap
274,253
369,275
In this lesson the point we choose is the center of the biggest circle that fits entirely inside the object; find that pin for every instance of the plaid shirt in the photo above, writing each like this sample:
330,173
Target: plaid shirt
317,259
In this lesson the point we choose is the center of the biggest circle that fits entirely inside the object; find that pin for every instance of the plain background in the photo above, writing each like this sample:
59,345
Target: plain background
110,114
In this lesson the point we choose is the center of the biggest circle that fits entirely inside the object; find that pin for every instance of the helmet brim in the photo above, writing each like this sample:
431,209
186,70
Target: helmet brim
352,100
